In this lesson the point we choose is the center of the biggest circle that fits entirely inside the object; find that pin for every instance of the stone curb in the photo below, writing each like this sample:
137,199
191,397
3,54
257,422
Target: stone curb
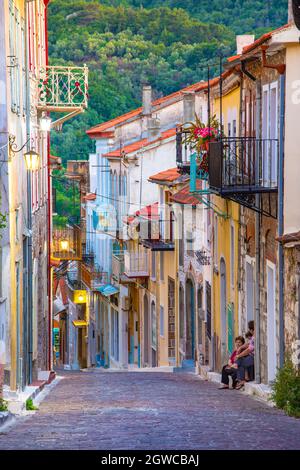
5,417
17,405
260,391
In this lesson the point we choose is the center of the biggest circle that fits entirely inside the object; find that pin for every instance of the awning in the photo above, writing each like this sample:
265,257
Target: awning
54,262
108,290
58,306
80,323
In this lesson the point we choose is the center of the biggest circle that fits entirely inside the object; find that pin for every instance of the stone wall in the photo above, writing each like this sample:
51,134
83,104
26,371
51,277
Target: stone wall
292,298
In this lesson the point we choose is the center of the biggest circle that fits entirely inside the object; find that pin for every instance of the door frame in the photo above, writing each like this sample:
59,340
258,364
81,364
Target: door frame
223,309
271,329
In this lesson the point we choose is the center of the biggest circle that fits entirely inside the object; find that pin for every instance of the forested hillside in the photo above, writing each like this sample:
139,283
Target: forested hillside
128,42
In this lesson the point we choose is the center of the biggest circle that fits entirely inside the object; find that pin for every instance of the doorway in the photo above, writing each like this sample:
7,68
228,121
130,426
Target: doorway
271,321
223,309
190,320
146,330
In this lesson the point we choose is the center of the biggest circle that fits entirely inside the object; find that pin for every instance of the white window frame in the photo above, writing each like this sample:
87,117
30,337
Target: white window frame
269,178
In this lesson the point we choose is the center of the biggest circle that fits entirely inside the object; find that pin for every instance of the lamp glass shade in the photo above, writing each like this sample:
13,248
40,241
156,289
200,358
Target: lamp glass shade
32,160
64,245
45,123
80,297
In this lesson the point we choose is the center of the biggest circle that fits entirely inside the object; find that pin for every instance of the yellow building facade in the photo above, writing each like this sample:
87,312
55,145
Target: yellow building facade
225,297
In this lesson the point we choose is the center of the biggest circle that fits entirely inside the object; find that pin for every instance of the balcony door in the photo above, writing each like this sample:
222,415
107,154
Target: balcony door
270,135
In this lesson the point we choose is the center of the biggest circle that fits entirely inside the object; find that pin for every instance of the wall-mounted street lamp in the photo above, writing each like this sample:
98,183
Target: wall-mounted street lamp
32,160
45,123
64,245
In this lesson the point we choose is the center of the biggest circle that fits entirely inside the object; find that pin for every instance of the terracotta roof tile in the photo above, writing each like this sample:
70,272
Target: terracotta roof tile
185,197
264,38
233,58
148,212
167,176
135,146
89,197
289,238
63,291
109,125
128,148
99,128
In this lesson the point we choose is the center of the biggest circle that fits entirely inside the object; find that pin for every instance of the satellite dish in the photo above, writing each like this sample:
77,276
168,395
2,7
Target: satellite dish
296,12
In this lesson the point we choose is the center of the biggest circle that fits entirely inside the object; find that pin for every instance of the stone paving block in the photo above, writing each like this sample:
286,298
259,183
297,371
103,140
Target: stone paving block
149,411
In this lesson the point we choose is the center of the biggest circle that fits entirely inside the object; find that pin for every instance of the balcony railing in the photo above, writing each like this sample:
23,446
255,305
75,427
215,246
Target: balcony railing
118,266
243,165
183,151
136,264
92,277
66,243
63,88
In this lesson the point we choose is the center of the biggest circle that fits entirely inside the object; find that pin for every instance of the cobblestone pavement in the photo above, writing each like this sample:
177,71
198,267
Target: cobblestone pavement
137,410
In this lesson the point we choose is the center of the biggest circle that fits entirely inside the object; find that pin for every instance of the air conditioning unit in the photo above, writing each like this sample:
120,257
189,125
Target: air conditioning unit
126,303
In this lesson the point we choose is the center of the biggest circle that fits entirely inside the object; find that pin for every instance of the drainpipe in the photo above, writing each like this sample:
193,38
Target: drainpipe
29,210
257,245
49,216
281,220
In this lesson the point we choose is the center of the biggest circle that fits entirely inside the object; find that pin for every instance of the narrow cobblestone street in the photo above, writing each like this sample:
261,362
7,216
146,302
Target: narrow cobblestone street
94,410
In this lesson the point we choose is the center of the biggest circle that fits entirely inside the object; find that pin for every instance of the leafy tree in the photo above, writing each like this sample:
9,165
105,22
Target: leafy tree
125,42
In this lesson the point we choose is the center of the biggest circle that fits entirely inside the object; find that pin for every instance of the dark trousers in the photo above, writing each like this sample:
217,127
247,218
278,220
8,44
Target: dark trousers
244,363
226,372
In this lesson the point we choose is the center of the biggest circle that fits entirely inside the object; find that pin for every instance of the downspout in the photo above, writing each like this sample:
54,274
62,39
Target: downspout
257,230
49,212
281,219
257,244
29,207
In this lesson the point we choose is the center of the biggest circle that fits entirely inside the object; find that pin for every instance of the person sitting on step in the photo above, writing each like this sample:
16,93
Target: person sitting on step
245,358
230,369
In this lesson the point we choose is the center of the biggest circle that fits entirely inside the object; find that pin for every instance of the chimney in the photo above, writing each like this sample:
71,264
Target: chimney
243,40
147,100
188,106
153,128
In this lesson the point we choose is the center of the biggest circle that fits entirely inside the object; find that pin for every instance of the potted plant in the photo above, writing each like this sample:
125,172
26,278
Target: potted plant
199,135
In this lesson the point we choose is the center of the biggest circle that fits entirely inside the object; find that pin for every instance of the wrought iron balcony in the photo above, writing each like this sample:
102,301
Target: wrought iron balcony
73,275
88,255
243,165
66,243
161,238
93,277
63,89
136,264
118,266
183,151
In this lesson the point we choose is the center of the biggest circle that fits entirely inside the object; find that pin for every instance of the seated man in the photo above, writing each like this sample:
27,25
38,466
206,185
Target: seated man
231,368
